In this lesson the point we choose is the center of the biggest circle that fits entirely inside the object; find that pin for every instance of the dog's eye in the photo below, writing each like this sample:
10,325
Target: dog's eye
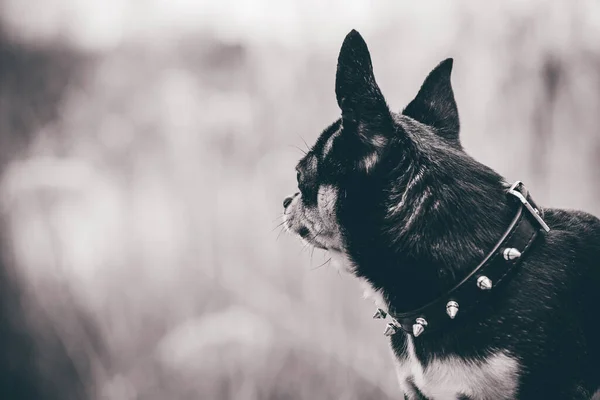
298,176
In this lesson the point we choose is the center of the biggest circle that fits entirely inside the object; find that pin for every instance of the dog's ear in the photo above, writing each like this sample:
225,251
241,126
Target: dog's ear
435,105
360,99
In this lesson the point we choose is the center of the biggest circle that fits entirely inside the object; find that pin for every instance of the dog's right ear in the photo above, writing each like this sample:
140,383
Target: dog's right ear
363,106
435,105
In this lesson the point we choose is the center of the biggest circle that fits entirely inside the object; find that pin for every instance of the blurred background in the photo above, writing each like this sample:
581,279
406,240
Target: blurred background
145,149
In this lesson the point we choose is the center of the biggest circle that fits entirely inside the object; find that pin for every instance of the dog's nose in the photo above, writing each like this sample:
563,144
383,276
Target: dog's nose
287,201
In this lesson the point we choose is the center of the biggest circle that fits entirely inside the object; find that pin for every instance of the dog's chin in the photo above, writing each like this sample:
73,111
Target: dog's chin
308,241
301,231
327,240
319,246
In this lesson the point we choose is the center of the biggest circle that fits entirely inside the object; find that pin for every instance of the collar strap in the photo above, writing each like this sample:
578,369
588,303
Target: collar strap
477,287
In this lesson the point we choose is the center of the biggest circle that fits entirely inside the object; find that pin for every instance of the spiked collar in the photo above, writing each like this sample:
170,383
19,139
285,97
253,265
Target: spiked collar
476,287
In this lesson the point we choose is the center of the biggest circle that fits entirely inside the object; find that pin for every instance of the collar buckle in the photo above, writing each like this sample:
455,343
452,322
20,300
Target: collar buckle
530,206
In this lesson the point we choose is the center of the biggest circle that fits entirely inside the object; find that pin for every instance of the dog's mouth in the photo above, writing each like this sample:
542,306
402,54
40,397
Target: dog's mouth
315,225
298,224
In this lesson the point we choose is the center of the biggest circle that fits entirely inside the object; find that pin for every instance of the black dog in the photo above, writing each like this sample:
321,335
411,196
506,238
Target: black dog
489,296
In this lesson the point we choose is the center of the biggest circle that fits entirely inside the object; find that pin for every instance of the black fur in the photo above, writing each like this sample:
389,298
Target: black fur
425,213
435,106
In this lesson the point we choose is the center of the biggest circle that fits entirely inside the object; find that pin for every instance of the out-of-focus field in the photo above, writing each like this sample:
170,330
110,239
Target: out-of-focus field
146,148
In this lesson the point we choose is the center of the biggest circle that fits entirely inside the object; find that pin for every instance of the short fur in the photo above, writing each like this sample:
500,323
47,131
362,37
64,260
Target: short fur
395,196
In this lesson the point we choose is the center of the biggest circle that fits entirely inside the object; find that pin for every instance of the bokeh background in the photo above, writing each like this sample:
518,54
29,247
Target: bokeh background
145,149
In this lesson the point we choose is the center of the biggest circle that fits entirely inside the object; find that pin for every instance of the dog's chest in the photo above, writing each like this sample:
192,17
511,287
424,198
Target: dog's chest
452,378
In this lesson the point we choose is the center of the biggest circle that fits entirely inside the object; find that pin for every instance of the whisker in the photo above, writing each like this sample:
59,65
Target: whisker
280,232
296,147
278,225
325,263
311,239
306,144
316,235
306,245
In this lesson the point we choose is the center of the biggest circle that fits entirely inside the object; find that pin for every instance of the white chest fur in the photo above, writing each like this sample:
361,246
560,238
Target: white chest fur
494,377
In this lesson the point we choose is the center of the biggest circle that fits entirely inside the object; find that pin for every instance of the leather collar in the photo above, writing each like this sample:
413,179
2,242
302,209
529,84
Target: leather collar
462,299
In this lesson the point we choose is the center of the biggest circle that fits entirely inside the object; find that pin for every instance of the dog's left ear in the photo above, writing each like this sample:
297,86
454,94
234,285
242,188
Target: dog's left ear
435,105
364,109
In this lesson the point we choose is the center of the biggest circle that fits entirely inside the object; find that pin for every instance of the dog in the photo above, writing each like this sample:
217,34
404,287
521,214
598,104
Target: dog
489,295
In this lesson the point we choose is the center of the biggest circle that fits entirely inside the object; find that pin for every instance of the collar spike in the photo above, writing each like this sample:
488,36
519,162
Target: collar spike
525,227
452,309
390,329
511,253
484,283
379,314
419,326
418,329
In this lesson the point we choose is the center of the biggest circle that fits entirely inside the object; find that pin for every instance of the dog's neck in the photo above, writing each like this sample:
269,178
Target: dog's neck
436,230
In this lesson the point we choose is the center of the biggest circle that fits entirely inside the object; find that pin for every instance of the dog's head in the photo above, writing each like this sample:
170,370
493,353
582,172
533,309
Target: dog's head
375,182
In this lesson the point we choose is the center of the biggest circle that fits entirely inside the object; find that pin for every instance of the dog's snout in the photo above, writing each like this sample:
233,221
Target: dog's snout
288,200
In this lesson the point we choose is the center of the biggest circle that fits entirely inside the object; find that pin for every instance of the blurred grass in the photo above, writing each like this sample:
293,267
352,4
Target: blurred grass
142,210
